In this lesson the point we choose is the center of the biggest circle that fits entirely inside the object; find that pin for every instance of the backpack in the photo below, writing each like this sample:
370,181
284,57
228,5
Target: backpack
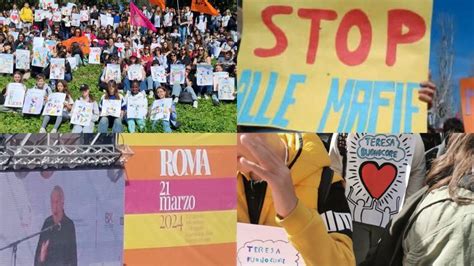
185,97
389,250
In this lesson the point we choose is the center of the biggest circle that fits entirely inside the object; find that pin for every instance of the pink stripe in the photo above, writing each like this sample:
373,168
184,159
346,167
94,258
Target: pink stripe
210,195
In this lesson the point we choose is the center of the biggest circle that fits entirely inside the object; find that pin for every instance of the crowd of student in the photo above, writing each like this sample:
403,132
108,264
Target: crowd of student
178,39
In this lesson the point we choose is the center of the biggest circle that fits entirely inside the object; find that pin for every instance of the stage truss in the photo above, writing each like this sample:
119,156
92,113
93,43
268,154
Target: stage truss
46,151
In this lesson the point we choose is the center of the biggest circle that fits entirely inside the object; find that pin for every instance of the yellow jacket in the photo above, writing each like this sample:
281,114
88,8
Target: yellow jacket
26,15
304,225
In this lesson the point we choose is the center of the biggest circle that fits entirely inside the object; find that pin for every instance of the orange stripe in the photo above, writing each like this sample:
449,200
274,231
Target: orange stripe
145,164
217,254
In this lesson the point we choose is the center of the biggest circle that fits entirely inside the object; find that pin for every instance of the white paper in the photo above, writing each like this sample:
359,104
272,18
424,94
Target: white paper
55,104
15,95
137,107
6,63
160,109
94,55
34,100
22,60
111,108
158,74
377,172
177,74
226,89
204,75
82,113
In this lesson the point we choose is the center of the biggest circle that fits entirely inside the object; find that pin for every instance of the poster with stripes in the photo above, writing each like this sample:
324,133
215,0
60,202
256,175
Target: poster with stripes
183,201
377,172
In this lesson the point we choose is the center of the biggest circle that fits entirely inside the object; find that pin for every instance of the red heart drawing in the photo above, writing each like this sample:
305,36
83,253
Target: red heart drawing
377,179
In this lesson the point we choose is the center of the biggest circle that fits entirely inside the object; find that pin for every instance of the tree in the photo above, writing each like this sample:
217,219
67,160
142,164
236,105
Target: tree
443,102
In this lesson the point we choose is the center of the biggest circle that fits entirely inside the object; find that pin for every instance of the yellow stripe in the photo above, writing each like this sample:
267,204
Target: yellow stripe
199,228
194,139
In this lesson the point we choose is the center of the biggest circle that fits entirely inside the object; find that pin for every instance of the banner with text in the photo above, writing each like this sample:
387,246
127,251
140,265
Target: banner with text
334,66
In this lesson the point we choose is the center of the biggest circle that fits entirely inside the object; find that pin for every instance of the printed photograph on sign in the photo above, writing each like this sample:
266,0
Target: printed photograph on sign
160,109
57,68
226,89
81,113
111,108
15,95
177,74
55,104
22,59
62,217
34,101
158,74
204,75
6,63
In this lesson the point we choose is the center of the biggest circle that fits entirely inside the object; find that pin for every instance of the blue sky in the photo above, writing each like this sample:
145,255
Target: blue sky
462,12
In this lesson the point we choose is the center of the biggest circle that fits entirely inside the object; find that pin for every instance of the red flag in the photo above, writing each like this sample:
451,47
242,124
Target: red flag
137,18
160,3
204,7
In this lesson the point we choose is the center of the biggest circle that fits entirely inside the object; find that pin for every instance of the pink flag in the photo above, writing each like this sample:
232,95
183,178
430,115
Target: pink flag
137,18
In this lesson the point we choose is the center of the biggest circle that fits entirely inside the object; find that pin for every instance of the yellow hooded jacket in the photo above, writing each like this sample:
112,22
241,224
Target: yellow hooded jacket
304,226
26,15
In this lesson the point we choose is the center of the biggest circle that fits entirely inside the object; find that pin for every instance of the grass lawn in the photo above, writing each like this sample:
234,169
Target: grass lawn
206,118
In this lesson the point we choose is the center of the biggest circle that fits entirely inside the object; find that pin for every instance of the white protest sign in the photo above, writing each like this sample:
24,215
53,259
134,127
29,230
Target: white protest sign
177,74
82,113
261,245
226,89
15,95
76,20
204,75
55,104
6,63
377,172
57,68
135,72
72,62
34,101
111,108
158,74
137,106
40,56
160,109
218,75
94,55
112,72
22,59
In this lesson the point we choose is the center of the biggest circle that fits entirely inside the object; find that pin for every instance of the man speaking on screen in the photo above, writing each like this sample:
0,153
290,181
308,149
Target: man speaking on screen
57,243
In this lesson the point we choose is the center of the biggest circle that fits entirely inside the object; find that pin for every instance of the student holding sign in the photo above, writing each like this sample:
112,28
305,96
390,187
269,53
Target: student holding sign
137,106
112,71
135,71
112,107
61,87
10,92
307,197
86,97
170,117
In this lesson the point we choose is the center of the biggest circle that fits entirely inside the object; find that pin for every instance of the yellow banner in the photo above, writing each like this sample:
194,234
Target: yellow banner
334,66
179,229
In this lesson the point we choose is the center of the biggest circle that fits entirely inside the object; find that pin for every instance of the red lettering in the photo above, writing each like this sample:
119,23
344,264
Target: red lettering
359,55
396,20
315,15
281,41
